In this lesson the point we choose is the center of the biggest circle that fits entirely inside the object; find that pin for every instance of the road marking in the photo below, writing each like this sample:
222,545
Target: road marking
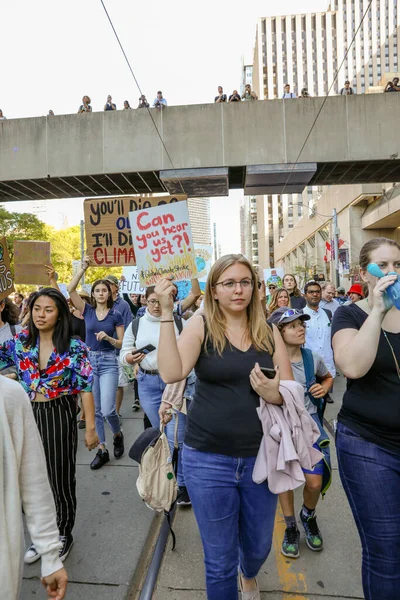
290,580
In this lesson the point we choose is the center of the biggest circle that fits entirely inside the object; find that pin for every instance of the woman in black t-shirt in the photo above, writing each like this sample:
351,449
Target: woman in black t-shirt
366,344
296,299
226,347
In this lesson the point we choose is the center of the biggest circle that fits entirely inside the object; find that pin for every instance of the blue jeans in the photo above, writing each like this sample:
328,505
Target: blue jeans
151,389
105,383
235,518
370,476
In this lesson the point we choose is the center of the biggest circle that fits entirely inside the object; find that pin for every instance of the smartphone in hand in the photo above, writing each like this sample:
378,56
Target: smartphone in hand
269,373
145,349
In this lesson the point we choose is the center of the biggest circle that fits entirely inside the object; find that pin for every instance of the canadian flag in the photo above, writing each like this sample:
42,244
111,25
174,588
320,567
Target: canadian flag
328,253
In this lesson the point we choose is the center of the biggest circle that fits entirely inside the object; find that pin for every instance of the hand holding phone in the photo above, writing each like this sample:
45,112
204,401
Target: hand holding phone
145,349
270,373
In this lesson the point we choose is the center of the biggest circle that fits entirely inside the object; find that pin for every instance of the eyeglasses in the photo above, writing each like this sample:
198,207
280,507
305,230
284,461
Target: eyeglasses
292,312
153,302
272,287
313,292
230,284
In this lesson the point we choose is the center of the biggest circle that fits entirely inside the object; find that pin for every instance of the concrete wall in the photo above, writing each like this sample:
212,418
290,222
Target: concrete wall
350,128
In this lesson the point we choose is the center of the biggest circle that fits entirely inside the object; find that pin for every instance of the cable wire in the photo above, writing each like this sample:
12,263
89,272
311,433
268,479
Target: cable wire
327,95
139,88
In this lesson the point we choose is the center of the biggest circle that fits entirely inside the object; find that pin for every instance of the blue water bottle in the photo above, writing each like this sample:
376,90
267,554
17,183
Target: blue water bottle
393,291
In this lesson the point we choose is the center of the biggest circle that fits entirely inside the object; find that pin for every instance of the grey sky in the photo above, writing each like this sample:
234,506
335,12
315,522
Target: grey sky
55,52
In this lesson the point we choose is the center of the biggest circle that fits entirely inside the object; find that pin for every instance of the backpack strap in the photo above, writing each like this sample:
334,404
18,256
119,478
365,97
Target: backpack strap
135,327
178,323
13,330
309,370
328,314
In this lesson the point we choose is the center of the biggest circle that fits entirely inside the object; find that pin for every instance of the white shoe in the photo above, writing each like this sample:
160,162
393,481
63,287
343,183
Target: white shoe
253,595
31,555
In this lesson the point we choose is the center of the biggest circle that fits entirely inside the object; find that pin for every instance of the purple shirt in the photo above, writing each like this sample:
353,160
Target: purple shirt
93,326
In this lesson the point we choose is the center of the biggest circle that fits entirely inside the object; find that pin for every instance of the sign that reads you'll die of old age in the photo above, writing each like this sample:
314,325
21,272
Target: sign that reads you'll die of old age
107,227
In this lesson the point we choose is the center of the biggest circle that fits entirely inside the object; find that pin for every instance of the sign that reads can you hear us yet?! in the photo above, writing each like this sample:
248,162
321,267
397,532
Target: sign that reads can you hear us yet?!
107,227
163,243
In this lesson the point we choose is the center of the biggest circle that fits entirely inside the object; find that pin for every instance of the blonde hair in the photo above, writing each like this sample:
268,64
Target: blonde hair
273,305
259,332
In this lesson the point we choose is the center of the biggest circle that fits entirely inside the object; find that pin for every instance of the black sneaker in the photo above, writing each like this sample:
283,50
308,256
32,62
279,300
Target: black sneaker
82,424
119,445
136,405
67,543
290,544
183,497
313,535
102,457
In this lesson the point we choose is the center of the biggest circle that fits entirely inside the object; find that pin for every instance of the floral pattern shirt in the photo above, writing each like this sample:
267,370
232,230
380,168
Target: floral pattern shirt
65,374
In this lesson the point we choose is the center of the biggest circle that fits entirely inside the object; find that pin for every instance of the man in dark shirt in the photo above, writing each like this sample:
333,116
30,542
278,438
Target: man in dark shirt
235,97
221,96
143,102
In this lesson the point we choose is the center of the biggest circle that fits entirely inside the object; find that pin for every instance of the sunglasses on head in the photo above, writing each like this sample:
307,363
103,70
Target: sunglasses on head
291,312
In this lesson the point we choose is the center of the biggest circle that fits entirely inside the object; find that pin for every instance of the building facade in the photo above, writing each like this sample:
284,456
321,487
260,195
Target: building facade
249,230
306,50
296,231
200,220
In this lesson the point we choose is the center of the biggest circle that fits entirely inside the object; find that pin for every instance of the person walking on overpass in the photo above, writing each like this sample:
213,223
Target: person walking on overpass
226,345
150,384
53,368
109,105
366,343
104,333
292,326
85,106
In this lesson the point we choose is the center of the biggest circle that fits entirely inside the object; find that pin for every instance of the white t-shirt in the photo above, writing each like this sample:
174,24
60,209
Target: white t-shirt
6,333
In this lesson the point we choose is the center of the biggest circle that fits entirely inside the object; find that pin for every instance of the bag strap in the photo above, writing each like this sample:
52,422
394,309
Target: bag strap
13,330
308,362
178,323
328,314
135,327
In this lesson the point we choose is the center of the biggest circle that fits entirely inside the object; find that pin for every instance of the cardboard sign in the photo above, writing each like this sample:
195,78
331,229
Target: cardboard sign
6,280
130,283
274,276
30,259
107,228
163,243
204,261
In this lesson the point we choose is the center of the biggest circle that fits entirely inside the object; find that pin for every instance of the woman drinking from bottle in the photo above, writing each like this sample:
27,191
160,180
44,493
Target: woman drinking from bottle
366,345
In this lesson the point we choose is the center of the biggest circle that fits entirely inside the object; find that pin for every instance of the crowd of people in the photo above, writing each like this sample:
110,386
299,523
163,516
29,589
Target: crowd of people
248,94
222,370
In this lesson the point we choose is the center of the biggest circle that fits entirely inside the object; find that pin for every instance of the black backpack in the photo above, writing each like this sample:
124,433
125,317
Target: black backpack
135,325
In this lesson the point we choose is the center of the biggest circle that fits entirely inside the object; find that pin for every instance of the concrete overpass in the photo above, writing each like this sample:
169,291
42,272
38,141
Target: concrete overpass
214,147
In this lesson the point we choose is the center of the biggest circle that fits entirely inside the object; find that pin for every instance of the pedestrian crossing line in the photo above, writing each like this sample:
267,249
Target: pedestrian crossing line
290,580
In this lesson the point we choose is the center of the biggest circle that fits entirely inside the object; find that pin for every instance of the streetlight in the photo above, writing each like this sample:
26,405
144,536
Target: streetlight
335,233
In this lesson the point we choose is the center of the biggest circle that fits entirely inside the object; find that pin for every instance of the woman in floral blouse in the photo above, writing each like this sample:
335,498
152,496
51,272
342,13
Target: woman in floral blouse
53,368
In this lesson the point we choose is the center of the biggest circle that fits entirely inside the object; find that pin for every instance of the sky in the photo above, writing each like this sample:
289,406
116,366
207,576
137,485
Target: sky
56,52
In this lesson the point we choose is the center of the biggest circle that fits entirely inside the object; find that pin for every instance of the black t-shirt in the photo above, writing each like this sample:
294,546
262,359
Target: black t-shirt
371,404
221,98
297,302
234,98
222,418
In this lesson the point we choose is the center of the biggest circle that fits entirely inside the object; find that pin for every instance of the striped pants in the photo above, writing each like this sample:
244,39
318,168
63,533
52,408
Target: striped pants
56,421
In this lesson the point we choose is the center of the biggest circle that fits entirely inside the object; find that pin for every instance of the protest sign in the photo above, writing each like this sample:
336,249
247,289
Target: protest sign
107,228
163,243
130,283
30,258
6,280
274,276
204,260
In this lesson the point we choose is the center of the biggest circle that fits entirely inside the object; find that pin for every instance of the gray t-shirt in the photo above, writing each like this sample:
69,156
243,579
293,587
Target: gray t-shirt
320,370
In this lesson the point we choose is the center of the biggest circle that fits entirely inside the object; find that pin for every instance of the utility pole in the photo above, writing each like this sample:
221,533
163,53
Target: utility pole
82,247
336,233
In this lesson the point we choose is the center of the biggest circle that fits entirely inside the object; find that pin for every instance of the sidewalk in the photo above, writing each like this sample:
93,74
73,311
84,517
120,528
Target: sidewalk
111,528
333,573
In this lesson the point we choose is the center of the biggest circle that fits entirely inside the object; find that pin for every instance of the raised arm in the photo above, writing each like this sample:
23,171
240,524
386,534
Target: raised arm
176,358
194,294
73,294
355,350
51,274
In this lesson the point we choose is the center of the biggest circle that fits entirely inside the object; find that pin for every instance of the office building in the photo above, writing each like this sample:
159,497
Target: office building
306,50
200,220
249,228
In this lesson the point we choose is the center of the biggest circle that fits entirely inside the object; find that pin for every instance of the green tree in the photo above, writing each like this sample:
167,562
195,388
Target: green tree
20,226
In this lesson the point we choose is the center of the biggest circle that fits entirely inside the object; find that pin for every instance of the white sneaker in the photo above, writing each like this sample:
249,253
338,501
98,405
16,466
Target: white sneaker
31,555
